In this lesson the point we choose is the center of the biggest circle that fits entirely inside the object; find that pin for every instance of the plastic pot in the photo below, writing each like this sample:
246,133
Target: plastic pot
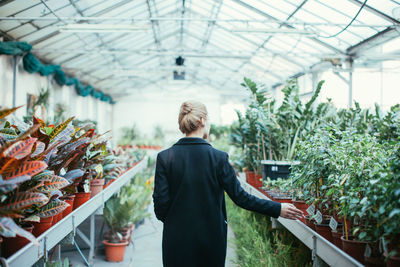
115,251
13,244
96,186
70,200
324,230
80,198
258,181
301,205
354,248
57,218
282,199
393,261
250,177
309,222
42,226
107,184
374,261
336,236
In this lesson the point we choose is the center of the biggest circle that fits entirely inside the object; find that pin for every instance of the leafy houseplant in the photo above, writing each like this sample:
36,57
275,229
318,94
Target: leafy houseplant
120,212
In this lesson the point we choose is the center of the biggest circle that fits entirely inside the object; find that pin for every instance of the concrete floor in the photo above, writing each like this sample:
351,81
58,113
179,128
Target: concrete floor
145,250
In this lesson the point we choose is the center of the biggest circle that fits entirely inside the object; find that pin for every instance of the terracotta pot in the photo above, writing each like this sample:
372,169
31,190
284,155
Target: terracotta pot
96,186
107,184
13,244
80,198
336,236
70,200
282,199
42,226
56,218
301,205
258,181
115,251
354,248
309,222
324,230
393,261
374,261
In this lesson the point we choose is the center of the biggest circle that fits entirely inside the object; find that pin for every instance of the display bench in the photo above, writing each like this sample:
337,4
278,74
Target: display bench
323,252
30,254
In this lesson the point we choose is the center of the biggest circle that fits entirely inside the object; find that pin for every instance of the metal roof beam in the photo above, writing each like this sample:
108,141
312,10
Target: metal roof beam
376,12
5,2
286,24
376,39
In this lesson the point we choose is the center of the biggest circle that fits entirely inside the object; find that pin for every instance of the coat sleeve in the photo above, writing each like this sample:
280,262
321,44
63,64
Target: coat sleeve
161,197
240,197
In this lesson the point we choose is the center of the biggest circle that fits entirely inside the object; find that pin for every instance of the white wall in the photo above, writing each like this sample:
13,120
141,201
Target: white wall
80,107
152,107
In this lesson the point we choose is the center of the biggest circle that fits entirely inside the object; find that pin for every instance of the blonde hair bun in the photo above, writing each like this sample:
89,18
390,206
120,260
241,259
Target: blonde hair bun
190,115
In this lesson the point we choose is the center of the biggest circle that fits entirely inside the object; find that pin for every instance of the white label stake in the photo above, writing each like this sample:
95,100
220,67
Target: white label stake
333,224
318,219
311,210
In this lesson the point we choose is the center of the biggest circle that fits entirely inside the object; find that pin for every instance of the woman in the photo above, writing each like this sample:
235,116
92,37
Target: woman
190,181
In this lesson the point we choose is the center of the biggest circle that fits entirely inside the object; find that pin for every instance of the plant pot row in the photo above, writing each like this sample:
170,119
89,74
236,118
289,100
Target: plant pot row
354,248
149,147
12,245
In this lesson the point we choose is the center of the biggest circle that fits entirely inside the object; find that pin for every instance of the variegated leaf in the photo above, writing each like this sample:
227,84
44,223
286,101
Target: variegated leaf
9,228
29,168
9,185
5,112
46,174
8,137
23,200
71,175
60,128
53,183
8,131
52,208
65,135
20,149
39,148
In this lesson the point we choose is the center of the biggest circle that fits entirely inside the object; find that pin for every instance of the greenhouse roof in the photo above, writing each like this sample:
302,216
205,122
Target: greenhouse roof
122,46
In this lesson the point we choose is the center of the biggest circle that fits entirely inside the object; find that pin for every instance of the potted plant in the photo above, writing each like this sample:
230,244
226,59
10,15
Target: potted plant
114,244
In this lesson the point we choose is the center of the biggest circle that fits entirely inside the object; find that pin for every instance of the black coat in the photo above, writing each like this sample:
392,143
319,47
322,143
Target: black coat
189,199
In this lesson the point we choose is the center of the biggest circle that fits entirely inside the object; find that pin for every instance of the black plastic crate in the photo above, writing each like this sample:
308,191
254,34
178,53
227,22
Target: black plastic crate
276,169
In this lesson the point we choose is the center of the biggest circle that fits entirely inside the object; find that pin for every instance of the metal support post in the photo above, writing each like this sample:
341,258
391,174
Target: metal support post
350,82
92,238
14,89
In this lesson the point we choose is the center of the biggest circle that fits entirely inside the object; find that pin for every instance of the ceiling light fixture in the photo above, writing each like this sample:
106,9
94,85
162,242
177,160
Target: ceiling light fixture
102,28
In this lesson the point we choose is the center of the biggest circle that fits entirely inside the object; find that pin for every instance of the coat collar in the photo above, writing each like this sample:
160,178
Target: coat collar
192,141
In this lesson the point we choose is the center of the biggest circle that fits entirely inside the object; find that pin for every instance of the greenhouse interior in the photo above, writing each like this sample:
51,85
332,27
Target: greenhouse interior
204,133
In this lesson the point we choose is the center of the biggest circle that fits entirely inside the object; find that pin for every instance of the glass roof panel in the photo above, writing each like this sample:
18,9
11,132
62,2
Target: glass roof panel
220,48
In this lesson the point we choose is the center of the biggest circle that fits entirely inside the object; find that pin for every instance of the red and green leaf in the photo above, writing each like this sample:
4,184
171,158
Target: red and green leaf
9,165
23,200
9,228
20,149
29,168
5,112
61,127
52,208
53,183
38,121
38,148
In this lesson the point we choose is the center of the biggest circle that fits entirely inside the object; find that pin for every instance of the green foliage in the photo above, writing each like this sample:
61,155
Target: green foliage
129,206
258,245
58,263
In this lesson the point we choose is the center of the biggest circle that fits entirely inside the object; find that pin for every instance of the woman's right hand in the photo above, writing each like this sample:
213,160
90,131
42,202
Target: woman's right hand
289,211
